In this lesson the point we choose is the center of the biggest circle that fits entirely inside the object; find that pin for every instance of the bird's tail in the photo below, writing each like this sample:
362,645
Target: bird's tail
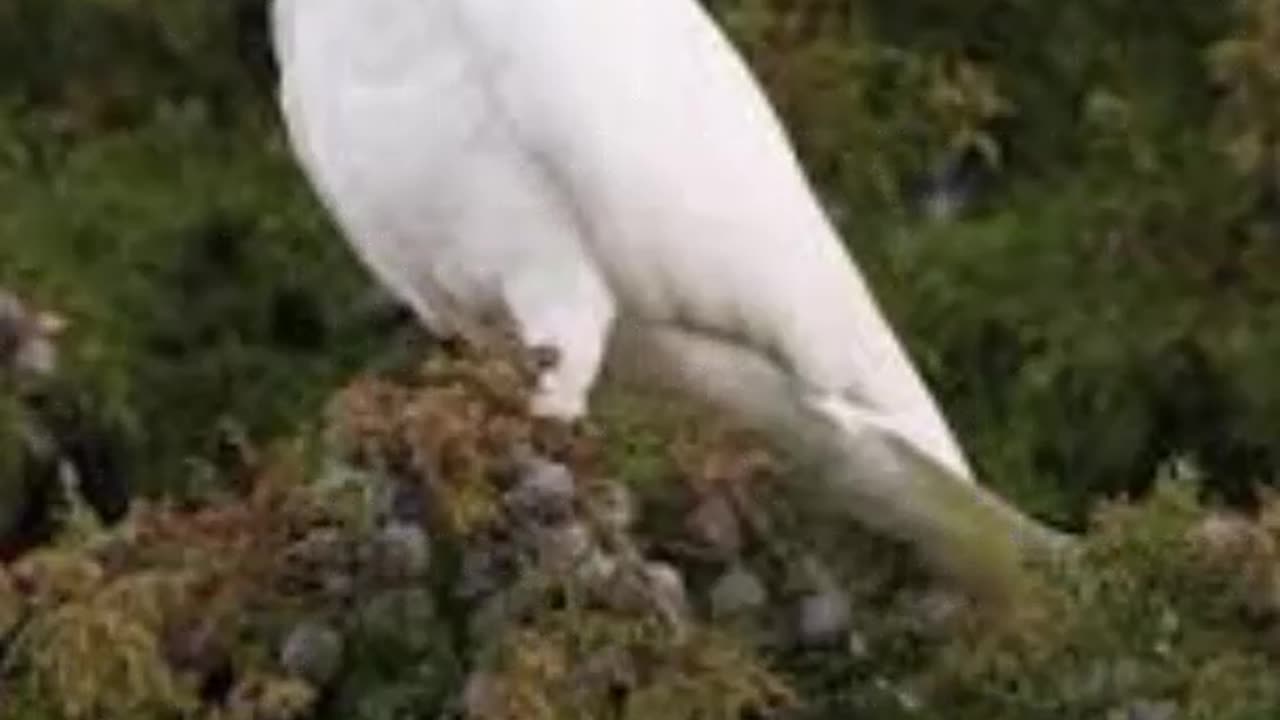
903,490
872,467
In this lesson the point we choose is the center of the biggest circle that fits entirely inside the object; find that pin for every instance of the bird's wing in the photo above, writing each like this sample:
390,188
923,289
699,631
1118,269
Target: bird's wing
698,208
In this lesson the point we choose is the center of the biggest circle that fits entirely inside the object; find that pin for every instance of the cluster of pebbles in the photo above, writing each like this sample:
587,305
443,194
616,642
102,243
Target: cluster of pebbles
560,531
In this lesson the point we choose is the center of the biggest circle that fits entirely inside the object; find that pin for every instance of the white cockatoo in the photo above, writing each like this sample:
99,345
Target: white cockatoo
608,176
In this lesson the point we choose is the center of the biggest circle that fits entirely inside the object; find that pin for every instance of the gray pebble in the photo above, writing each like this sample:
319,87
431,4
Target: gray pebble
544,493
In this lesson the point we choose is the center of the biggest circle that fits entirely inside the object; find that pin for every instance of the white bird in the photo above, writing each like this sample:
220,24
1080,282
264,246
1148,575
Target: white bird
608,175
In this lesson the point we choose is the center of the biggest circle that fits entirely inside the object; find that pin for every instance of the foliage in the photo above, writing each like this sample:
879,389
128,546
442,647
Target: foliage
201,285
1098,306
1166,604
137,620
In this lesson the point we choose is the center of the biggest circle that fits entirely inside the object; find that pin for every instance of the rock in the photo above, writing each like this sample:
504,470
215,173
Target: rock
402,552
823,618
313,652
637,586
544,493
714,523
736,592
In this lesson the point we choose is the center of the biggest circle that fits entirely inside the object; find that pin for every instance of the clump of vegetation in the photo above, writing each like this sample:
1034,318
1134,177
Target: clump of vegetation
133,621
1167,605
336,581
340,581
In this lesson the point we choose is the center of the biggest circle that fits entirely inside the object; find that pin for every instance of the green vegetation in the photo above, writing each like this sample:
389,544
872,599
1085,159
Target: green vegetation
1097,309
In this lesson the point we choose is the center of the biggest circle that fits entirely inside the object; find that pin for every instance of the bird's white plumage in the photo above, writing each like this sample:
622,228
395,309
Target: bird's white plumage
578,164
